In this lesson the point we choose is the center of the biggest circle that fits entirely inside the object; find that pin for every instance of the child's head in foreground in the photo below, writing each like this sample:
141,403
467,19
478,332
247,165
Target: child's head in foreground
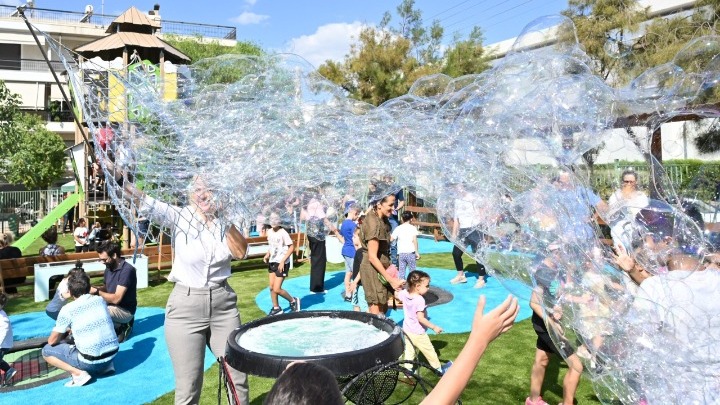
305,383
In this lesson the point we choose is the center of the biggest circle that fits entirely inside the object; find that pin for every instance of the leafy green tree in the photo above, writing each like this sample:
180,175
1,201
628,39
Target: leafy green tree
609,30
424,41
466,56
38,158
228,68
9,106
388,59
379,66
198,48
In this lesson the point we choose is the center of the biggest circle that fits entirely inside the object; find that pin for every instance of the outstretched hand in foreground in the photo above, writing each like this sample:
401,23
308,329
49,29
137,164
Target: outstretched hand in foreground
485,328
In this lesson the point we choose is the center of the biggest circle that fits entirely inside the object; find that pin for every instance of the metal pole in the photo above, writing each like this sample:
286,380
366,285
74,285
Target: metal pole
21,13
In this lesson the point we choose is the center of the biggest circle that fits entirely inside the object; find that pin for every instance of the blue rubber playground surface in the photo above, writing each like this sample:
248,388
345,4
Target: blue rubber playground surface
143,367
454,317
143,371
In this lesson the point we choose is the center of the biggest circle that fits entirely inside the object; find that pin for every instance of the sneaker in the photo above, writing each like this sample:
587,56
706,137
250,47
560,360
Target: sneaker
295,304
583,353
78,380
9,375
538,401
125,331
348,299
458,280
444,368
275,311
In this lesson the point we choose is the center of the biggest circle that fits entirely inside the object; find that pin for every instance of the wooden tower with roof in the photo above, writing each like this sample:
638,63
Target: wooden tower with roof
132,44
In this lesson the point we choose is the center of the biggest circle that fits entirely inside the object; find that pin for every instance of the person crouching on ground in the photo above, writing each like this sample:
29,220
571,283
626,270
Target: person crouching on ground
95,343
119,290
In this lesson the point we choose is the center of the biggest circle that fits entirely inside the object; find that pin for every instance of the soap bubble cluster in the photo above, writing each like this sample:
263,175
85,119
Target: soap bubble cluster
500,153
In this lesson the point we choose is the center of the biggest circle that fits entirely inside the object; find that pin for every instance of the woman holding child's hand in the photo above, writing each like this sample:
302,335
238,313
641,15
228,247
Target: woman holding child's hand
375,239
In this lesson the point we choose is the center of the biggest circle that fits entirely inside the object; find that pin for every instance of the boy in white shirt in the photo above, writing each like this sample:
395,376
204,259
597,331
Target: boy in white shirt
407,244
278,259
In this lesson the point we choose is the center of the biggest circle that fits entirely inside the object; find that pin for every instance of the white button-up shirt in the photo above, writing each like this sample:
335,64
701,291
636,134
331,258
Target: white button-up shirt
202,256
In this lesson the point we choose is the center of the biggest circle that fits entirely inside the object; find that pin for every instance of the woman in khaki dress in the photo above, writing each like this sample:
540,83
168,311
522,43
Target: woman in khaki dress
375,239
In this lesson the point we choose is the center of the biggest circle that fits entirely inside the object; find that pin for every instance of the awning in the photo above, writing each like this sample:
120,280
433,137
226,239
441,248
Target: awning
68,187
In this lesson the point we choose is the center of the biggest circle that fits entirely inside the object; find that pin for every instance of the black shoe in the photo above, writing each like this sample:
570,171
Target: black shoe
295,304
124,331
348,299
275,311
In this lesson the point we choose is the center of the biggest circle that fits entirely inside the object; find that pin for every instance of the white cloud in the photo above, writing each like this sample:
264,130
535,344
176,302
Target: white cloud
248,18
329,41
13,3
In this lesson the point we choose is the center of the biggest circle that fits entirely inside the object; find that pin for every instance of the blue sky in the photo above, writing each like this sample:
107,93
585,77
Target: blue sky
322,29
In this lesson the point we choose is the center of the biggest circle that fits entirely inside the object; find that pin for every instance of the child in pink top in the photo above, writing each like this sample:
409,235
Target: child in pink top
416,323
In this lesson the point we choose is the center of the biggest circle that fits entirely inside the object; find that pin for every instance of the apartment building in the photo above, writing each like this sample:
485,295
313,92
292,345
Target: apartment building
25,72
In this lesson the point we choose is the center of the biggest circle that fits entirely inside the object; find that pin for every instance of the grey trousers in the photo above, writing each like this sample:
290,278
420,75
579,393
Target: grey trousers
196,318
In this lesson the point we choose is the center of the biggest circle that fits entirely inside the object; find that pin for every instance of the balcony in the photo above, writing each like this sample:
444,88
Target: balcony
30,65
77,18
52,116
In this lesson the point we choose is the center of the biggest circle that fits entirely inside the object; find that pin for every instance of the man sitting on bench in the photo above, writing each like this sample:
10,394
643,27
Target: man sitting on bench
119,290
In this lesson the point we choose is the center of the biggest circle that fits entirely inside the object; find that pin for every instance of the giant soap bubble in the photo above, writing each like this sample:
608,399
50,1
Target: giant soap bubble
499,152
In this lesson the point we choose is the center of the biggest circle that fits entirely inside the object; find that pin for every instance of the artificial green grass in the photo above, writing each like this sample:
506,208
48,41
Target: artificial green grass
502,377
65,241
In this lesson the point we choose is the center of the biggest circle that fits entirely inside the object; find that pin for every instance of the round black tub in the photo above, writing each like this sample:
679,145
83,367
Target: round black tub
342,364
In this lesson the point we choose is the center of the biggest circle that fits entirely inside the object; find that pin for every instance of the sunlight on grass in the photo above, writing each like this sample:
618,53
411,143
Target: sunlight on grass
502,377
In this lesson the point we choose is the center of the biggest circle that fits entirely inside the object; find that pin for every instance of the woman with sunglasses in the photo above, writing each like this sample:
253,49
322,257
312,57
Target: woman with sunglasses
624,204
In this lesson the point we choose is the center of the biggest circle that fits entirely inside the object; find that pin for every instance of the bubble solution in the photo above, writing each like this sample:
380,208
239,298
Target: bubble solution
314,336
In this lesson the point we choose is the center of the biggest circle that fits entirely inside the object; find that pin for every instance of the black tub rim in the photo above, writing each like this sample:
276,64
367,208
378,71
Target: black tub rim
353,362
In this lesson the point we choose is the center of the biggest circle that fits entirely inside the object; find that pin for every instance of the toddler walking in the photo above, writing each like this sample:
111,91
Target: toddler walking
6,342
416,322
407,244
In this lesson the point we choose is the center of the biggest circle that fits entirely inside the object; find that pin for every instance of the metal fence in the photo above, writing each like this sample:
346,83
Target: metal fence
29,65
29,205
100,20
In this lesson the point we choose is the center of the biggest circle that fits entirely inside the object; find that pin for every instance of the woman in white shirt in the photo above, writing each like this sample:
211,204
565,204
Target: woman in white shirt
202,308
624,204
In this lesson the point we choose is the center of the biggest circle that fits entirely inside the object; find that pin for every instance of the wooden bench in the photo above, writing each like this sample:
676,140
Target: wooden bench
159,258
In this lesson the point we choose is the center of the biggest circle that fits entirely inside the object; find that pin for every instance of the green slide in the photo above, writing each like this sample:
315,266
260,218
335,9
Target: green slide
52,217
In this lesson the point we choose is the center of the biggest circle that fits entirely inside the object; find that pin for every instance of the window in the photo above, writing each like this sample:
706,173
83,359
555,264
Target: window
10,56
